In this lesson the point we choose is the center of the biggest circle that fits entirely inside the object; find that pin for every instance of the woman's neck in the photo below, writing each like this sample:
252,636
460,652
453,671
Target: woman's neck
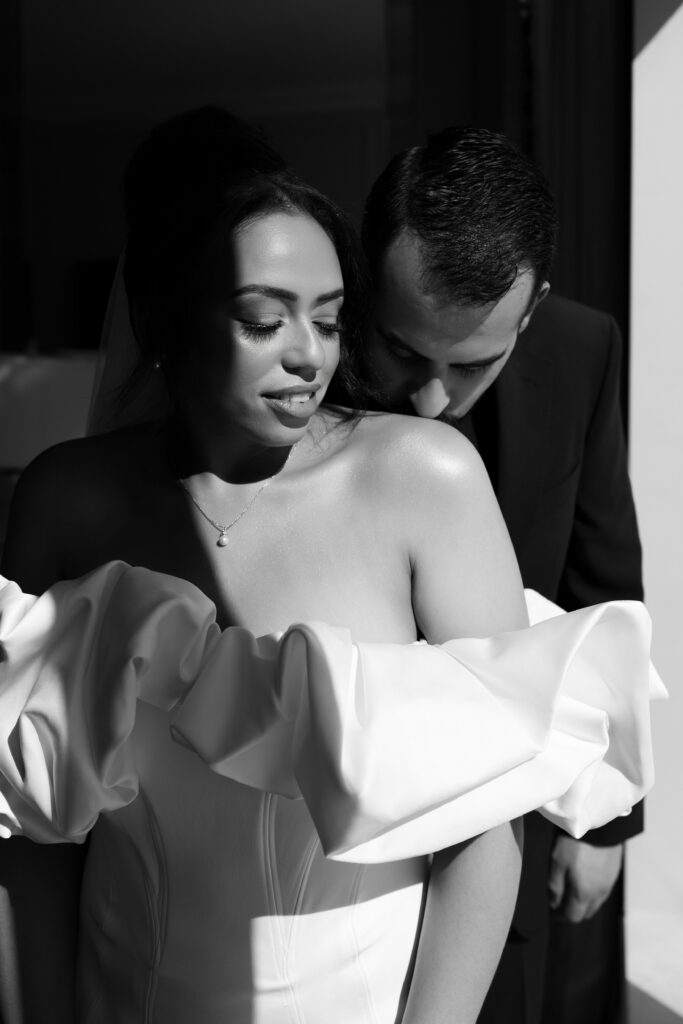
227,454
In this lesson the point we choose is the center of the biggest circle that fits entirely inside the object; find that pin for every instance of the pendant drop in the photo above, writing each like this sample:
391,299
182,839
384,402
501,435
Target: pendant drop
223,539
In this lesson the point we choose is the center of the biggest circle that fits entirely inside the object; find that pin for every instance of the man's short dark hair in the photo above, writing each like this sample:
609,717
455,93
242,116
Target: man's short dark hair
481,212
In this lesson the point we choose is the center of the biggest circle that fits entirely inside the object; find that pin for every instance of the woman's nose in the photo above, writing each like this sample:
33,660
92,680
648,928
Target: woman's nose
305,350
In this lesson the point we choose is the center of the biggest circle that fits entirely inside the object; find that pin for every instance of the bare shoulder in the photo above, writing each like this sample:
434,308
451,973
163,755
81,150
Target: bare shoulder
63,472
61,498
417,453
428,497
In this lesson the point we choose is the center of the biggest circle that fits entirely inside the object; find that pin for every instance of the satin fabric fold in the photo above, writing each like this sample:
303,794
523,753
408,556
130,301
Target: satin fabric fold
73,663
397,750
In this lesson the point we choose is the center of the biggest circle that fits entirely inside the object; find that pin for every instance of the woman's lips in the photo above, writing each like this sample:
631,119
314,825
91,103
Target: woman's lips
297,402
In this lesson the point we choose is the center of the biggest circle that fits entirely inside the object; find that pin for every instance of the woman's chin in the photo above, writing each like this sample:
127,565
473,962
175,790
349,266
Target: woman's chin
283,429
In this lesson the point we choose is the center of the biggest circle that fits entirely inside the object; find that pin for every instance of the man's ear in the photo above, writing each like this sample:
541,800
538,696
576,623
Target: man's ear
538,297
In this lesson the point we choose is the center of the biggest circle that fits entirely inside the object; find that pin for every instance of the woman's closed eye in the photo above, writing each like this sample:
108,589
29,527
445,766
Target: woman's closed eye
328,328
263,330
259,329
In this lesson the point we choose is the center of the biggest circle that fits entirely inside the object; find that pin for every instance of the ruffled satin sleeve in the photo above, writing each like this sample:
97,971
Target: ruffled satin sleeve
400,750
73,664
396,749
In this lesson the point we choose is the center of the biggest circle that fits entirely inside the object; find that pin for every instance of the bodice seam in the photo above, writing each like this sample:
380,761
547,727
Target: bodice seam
158,908
274,898
356,944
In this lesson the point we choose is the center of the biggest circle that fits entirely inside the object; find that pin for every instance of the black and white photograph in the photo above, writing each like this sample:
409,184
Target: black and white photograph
340,512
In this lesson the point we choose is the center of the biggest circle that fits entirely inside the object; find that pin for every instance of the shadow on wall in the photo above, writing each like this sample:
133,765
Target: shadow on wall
643,1009
649,19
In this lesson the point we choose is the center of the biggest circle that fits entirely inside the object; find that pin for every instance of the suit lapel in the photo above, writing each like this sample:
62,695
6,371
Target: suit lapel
523,394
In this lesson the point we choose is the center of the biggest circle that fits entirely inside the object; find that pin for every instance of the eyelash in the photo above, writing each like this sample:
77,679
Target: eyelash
257,331
328,330
470,371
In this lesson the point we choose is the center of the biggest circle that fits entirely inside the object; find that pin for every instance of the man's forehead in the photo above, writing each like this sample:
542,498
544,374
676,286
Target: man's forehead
403,309
402,270
440,338
400,293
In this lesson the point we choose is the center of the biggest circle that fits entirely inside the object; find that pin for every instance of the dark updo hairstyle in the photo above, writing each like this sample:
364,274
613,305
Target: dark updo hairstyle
188,188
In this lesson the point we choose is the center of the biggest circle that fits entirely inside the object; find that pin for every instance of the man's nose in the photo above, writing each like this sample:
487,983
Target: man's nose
431,399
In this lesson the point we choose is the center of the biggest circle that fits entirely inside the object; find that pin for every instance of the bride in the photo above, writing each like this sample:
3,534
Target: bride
207,894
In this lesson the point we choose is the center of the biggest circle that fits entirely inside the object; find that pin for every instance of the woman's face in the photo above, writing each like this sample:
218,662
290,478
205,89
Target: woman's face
266,344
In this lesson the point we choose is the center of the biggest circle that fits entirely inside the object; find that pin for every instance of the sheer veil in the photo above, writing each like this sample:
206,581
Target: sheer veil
119,399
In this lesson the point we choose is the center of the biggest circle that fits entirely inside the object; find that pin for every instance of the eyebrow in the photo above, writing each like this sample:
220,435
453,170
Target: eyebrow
393,339
284,294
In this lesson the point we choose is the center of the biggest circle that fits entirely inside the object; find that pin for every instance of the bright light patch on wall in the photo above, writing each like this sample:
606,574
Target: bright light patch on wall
655,881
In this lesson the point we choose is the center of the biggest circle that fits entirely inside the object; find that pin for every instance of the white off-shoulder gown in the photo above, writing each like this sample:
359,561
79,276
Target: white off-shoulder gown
278,876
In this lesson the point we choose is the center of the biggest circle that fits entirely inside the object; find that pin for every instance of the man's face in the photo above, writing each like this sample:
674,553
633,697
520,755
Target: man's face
438,356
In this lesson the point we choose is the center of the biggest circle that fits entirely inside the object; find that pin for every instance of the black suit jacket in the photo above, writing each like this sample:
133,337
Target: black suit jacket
552,439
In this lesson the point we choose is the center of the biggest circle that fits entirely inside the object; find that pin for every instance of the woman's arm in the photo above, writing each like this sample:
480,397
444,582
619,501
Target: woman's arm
465,577
470,901
38,526
465,582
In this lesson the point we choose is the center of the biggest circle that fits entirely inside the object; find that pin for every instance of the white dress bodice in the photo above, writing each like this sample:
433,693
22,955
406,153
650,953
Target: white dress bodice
261,810
208,900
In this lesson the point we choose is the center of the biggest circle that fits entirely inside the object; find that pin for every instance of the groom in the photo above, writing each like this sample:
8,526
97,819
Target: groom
460,235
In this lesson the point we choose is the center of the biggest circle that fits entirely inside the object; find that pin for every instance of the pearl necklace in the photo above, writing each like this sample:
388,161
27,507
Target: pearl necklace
223,528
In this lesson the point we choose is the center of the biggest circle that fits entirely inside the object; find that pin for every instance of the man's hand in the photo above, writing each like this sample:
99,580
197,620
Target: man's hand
582,876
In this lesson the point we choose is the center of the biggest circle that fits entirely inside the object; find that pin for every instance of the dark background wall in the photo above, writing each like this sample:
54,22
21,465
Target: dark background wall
338,86
92,79
555,77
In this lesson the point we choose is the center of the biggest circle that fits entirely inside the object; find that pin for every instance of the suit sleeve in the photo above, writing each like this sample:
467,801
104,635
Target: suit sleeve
604,556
